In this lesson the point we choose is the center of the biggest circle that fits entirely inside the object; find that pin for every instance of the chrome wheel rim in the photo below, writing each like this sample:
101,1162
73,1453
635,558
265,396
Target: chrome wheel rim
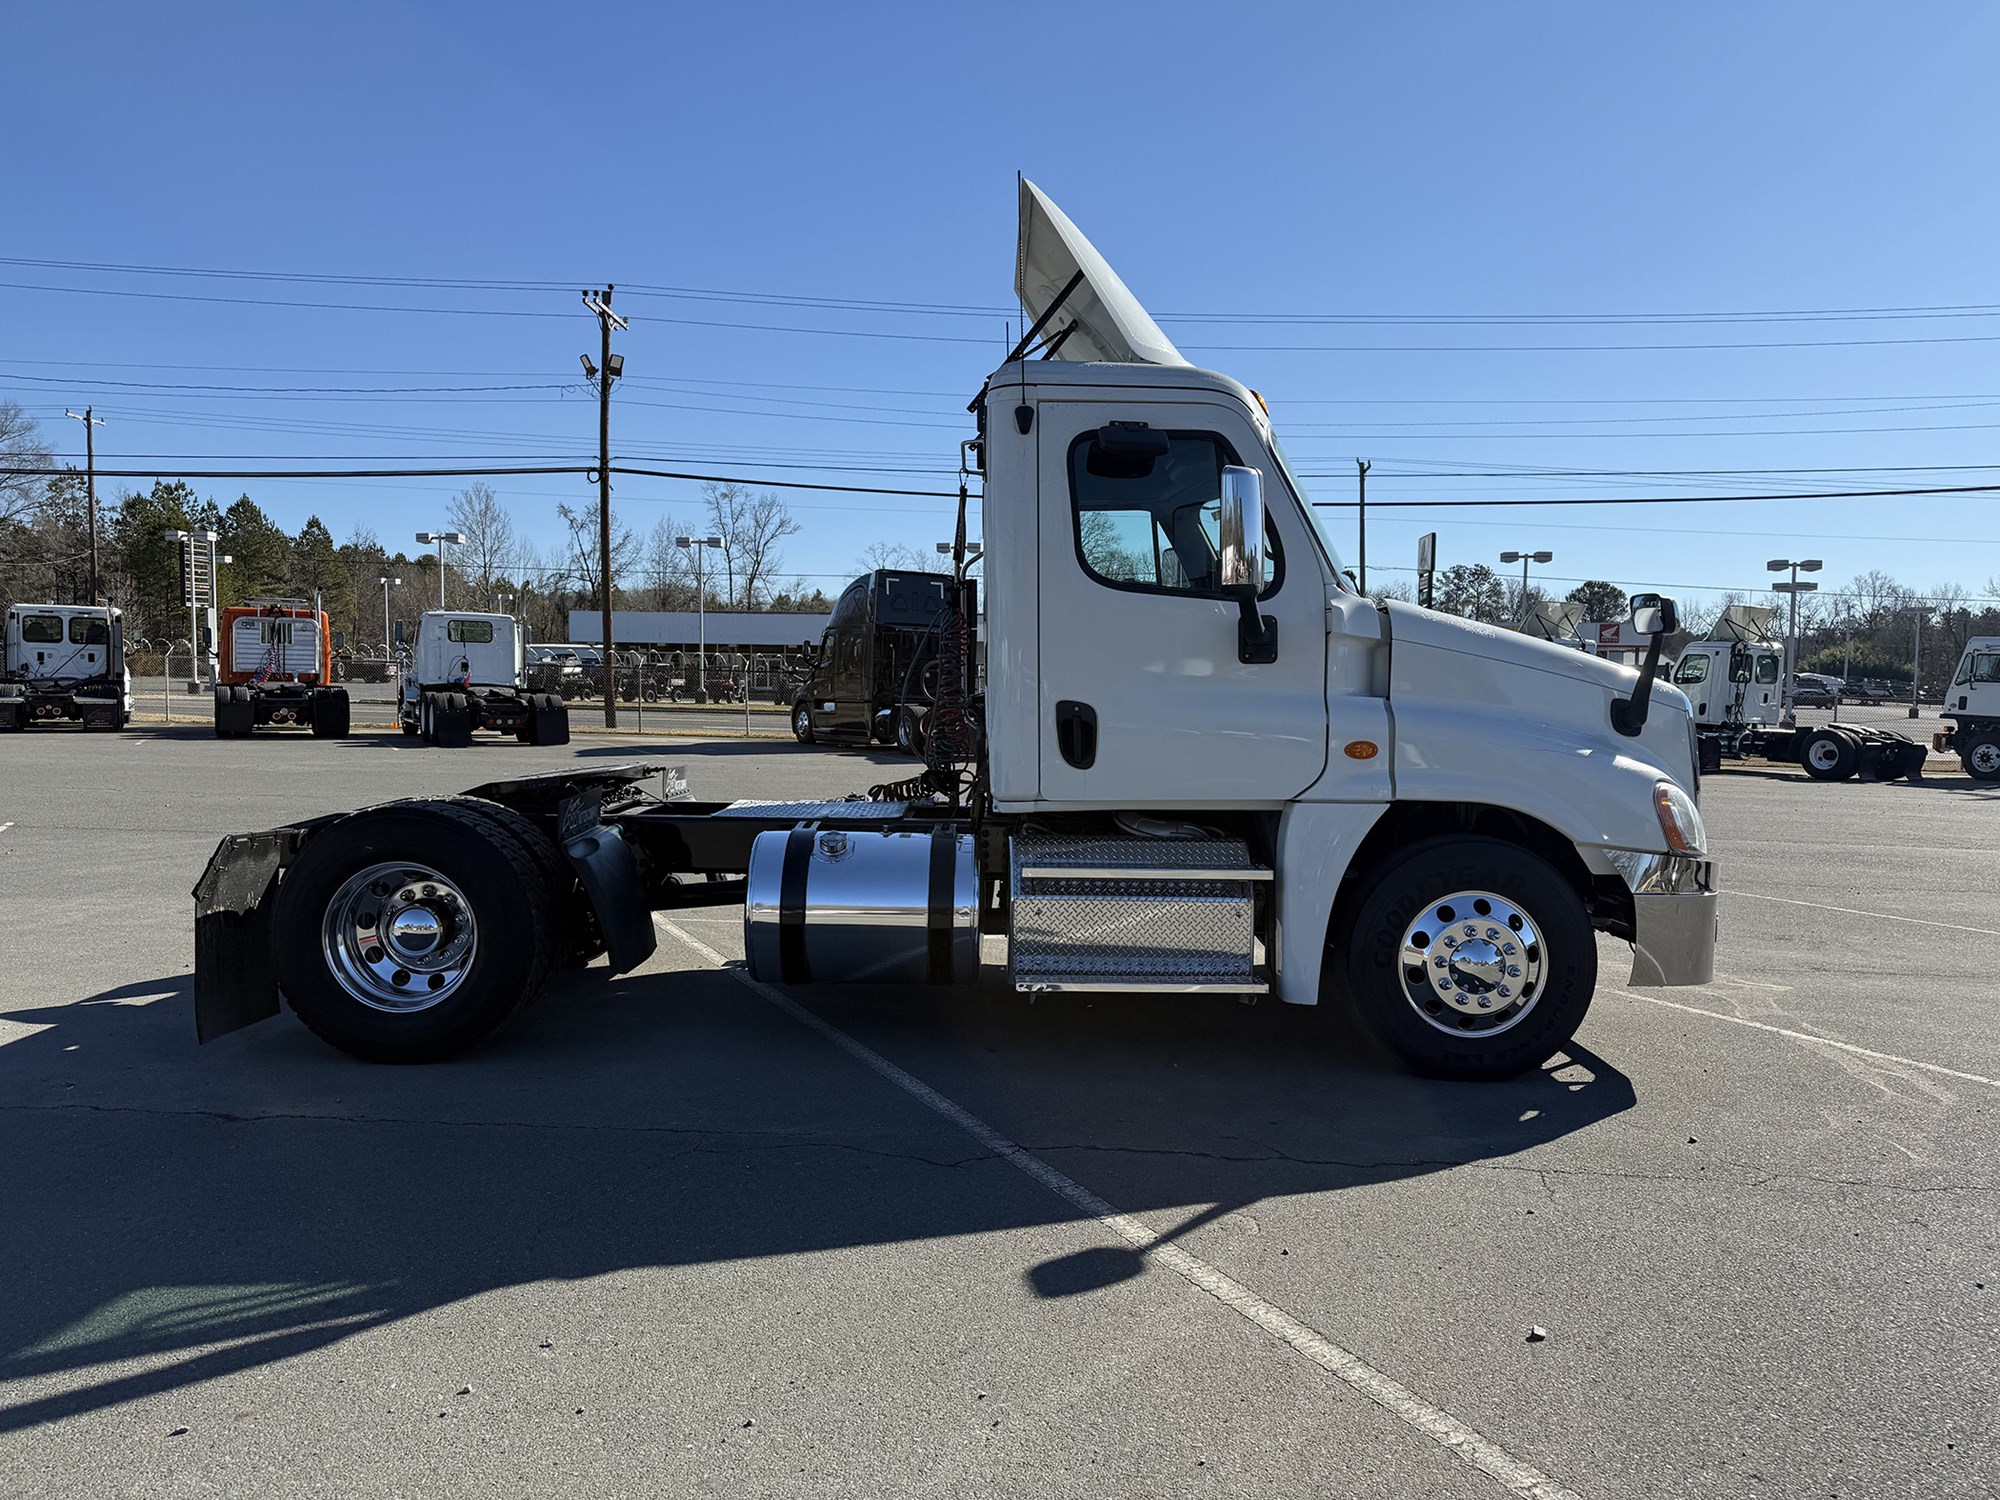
1473,964
1822,755
399,937
801,721
1985,758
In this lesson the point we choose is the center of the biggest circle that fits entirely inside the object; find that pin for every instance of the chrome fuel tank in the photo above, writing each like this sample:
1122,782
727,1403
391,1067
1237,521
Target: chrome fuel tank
843,907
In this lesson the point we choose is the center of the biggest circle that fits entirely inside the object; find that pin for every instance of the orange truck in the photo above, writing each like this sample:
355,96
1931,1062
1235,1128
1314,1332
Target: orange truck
275,666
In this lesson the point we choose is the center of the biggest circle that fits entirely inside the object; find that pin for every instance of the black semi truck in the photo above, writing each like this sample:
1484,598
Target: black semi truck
875,675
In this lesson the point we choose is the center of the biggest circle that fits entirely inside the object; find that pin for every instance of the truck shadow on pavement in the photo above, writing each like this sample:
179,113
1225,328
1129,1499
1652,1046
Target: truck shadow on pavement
176,1215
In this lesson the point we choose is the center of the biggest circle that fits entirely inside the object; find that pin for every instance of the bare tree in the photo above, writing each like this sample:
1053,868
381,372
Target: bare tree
751,527
668,569
581,524
21,447
489,537
891,555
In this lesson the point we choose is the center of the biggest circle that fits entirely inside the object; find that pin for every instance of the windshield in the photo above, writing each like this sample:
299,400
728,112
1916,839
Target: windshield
1291,478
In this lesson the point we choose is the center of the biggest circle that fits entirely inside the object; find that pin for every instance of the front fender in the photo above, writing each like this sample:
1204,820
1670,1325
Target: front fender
1595,791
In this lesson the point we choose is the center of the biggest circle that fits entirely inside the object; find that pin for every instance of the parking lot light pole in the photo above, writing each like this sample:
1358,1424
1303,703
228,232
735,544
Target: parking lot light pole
388,646
1789,688
1524,558
1916,655
440,537
696,544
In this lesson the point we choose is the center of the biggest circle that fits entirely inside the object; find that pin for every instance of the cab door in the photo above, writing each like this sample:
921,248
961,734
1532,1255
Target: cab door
1144,700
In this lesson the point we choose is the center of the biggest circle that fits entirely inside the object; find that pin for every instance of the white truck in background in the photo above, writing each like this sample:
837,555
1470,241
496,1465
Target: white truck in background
64,663
1734,681
468,671
1206,765
1972,704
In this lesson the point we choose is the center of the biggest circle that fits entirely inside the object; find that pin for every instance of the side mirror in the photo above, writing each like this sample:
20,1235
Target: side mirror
1124,450
1653,615
1241,524
1240,562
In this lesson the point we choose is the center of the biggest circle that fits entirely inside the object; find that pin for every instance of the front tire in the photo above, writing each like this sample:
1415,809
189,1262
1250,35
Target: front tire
407,933
1980,755
802,722
1468,958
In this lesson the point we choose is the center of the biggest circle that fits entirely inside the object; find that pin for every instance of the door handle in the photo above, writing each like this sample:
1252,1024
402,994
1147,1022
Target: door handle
1076,733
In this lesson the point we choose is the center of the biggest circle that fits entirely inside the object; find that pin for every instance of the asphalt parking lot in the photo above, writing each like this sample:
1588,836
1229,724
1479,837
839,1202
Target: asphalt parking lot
674,1234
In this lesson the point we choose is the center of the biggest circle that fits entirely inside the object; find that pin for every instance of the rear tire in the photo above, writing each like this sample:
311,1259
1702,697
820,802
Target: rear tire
1829,755
1427,1011
488,896
1980,755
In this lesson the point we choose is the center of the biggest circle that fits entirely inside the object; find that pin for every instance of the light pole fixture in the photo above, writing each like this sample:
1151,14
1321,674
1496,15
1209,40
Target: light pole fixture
973,551
1524,558
441,537
698,545
1804,565
388,646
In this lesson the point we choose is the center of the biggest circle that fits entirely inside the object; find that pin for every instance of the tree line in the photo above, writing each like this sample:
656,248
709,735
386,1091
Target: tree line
44,555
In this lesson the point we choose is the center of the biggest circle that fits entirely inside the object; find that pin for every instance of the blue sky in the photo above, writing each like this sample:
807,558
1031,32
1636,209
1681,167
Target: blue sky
1392,163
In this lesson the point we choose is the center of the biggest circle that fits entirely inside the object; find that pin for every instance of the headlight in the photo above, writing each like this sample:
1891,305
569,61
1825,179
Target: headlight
1680,819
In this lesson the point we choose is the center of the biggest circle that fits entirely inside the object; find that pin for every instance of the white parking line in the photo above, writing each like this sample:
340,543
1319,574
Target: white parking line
1807,1036
1440,1426
5,826
1854,912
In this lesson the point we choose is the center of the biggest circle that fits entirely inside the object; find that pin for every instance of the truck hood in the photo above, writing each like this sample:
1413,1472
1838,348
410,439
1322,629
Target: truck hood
1484,714
1408,623
1111,326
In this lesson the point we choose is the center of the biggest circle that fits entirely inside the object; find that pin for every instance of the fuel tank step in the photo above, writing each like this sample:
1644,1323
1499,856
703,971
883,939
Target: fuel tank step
1134,915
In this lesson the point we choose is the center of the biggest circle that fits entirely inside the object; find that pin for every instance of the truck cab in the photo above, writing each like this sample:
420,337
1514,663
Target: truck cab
875,672
64,663
1731,682
1972,705
276,668
468,671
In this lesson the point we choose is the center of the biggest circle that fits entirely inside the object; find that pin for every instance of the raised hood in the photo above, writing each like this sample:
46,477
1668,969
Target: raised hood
1110,324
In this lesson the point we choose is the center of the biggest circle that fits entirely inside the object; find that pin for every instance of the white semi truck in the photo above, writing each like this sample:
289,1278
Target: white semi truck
468,672
1206,765
64,663
1972,704
1733,680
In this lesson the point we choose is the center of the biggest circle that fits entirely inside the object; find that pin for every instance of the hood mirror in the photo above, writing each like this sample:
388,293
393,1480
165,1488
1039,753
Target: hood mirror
1653,615
1124,450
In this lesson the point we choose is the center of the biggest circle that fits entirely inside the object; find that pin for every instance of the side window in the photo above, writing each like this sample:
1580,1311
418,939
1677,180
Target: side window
1692,669
475,632
42,630
1964,673
1159,531
86,631
1767,670
1986,667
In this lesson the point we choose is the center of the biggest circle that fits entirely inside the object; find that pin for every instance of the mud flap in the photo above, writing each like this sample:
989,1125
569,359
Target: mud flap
603,862
549,725
12,713
235,980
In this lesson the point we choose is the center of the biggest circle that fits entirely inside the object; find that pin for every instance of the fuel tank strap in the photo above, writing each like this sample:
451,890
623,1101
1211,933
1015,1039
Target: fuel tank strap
792,965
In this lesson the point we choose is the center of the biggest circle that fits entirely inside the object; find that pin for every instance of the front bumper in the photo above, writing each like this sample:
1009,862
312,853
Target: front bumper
1674,904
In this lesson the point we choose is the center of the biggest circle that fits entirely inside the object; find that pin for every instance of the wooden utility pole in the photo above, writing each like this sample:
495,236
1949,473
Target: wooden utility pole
1362,467
600,304
90,425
